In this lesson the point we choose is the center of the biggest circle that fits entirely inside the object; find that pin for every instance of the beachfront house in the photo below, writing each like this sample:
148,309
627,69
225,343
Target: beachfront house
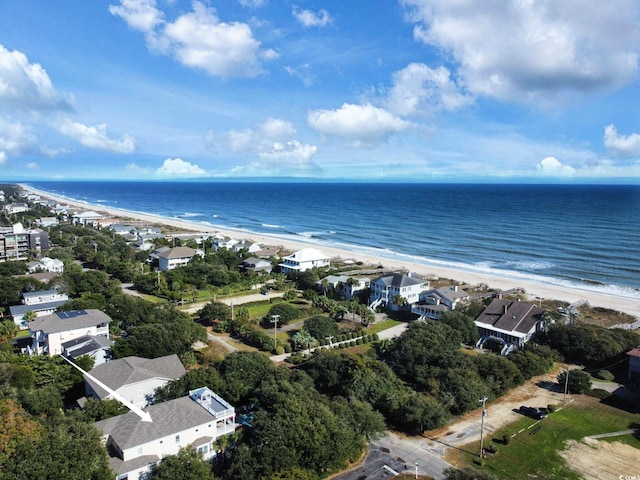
304,260
49,332
196,421
41,302
511,323
434,302
86,218
12,208
175,257
343,285
396,291
134,378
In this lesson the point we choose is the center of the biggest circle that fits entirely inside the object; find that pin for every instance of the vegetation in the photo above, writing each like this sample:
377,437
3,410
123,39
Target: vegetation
536,455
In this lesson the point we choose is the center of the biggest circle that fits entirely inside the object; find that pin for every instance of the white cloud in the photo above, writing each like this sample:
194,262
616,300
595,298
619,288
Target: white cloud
533,50
308,18
418,89
621,145
176,167
96,137
141,15
27,85
33,166
274,144
198,39
3,158
14,139
253,3
302,73
362,124
551,166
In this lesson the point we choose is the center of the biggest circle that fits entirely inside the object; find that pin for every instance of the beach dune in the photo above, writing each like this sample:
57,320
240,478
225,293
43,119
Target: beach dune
533,289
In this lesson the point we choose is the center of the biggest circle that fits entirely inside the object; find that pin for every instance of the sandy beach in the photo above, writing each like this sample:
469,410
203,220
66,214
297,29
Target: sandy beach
533,289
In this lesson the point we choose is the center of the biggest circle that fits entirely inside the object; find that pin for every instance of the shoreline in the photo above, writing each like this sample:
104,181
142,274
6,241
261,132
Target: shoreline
534,289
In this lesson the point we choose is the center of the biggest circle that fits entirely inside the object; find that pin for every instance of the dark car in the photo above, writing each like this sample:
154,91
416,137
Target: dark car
532,412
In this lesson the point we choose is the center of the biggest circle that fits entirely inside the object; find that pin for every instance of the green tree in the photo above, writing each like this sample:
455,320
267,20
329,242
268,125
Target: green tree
215,313
320,327
578,381
186,465
69,448
287,313
302,338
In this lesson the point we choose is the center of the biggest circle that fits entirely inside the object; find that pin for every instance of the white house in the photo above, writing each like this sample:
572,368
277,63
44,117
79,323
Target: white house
197,420
46,264
175,257
45,222
51,331
12,208
95,346
86,218
303,260
385,288
135,378
42,302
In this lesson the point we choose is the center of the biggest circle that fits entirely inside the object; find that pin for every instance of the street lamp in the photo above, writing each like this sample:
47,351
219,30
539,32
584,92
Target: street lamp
484,414
274,320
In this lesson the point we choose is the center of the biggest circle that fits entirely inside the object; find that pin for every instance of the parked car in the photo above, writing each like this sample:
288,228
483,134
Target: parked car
532,412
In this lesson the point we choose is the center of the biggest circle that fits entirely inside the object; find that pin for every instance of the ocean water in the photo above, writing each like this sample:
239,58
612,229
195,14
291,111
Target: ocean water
578,235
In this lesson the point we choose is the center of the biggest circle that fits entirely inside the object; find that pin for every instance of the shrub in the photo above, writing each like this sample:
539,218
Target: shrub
506,439
287,348
352,343
551,408
359,341
604,375
598,393
376,337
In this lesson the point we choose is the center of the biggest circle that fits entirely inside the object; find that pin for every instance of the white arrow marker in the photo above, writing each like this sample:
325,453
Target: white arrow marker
145,416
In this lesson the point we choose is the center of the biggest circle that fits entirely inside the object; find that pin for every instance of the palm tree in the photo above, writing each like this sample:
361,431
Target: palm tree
303,337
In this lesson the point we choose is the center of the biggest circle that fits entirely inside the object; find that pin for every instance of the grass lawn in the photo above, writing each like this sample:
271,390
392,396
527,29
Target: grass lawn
533,455
378,327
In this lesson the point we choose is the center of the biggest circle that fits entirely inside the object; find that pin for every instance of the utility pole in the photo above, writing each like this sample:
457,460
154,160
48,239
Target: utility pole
483,414
275,319
416,469
566,386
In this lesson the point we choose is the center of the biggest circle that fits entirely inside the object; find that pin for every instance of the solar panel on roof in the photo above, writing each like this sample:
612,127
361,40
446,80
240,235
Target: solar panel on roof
71,314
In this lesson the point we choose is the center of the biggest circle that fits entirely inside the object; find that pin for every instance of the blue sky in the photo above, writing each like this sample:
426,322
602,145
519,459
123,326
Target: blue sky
420,90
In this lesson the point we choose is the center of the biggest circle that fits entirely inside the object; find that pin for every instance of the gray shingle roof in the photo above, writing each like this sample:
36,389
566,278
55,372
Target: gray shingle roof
128,370
178,252
509,316
65,321
169,418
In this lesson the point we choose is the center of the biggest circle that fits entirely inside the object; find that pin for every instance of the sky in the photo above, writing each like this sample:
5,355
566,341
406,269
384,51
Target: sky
372,90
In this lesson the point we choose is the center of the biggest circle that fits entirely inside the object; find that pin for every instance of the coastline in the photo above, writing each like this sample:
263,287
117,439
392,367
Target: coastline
533,288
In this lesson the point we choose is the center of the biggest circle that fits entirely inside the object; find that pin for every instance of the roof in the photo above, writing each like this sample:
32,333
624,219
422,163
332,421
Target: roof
400,280
36,307
129,370
178,252
85,345
40,293
169,418
307,255
508,316
634,353
65,321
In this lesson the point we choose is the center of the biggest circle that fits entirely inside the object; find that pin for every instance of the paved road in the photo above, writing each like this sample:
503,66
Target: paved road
392,453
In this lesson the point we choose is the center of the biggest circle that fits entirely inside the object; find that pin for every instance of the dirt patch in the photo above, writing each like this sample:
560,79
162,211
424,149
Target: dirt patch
598,460
537,392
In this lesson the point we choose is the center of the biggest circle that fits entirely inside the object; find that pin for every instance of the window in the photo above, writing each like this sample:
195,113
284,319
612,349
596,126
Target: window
177,438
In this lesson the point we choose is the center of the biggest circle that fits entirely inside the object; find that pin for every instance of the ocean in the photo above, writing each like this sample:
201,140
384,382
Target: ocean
577,235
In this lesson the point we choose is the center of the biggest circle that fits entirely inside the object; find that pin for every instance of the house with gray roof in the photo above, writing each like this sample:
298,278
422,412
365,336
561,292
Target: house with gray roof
511,322
257,265
433,303
49,332
175,257
134,378
95,346
41,302
387,288
196,420
344,285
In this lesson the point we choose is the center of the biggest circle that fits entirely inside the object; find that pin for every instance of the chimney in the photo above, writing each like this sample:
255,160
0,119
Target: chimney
455,288
504,309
